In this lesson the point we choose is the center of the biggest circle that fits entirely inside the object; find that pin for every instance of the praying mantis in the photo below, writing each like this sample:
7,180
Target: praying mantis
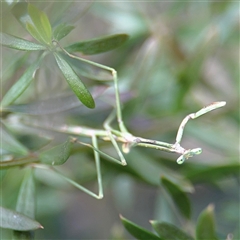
121,135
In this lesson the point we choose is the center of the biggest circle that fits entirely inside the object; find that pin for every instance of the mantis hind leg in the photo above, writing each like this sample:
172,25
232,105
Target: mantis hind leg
98,169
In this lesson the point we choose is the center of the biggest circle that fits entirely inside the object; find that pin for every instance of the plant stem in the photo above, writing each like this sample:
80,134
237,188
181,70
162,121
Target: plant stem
18,162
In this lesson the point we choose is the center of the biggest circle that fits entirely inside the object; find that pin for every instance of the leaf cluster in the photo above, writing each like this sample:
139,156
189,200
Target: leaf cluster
205,228
39,27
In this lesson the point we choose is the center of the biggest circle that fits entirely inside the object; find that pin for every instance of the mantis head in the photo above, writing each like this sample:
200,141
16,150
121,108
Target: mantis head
187,154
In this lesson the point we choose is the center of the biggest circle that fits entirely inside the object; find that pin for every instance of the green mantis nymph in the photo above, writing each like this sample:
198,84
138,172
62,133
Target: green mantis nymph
121,135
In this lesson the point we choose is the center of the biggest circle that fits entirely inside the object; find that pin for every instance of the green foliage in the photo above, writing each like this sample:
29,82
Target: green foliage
179,58
98,45
61,31
57,155
10,144
179,197
168,231
39,27
21,85
26,196
17,221
137,231
206,225
165,231
26,203
19,43
205,228
75,83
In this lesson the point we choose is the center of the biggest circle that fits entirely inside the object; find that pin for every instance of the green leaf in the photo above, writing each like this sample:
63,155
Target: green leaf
61,31
12,65
19,43
206,224
26,203
57,155
33,31
26,196
98,45
169,231
74,82
178,179
137,231
142,166
41,25
21,85
210,174
22,235
17,221
179,197
10,144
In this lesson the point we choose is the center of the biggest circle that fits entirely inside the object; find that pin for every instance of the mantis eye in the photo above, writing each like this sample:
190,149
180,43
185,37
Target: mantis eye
181,159
188,154
195,151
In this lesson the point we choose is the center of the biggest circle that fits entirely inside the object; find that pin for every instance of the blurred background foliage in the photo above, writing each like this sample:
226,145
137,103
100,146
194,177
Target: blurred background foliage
180,57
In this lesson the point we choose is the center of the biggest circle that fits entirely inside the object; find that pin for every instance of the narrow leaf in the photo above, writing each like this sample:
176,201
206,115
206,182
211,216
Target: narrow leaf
137,231
169,231
98,45
211,174
206,224
17,221
74,82
41,23
34,32
10,144
26,204
61,31
19,43
26,196
57,155
179,197
21,85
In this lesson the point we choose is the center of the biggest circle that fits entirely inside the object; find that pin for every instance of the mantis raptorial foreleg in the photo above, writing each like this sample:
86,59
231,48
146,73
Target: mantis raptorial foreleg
98,167
199,113
191,152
